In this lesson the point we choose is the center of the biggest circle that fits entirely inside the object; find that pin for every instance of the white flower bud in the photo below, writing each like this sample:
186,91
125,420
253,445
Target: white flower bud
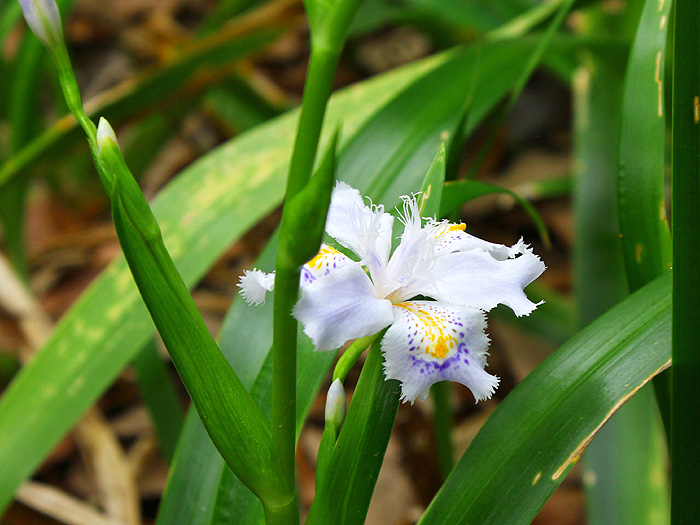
105,133
335,404
43,18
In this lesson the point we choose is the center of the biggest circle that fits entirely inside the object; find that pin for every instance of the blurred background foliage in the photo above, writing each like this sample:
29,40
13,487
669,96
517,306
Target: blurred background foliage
178,78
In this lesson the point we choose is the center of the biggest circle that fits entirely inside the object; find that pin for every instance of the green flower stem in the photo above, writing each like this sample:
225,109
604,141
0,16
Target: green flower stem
71,93
284,348
442,423
351,355
317,90
685,409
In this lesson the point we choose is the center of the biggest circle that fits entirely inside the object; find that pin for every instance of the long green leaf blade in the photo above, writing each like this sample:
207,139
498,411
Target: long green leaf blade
646,239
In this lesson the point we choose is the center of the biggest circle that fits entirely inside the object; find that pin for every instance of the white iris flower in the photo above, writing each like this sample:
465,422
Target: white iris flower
427,340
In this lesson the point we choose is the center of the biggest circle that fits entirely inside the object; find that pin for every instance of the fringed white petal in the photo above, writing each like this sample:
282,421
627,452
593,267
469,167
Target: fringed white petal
254,284
474,278
432,341
366,230
340,306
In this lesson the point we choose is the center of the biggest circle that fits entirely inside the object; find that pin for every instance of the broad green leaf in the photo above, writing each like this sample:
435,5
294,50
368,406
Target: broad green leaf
539,431
205,209
447,22
392,165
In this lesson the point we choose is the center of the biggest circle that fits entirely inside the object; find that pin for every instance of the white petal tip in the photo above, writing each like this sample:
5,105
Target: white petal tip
254,284
485,388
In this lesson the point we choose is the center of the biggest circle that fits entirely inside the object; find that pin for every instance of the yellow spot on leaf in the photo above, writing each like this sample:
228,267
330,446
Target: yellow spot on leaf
696,109
536,478
659,84
75,387
638,253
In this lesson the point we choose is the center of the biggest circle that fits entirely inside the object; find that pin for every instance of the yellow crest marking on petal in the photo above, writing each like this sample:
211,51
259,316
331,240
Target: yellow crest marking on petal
447,228
317,261
434,326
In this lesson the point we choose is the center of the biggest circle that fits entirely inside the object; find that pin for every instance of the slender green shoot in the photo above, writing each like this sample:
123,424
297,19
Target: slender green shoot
328,32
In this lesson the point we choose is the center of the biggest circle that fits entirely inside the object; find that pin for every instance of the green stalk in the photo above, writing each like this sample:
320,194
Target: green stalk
685,409
442,425
325,52
284,348
317,89
71,93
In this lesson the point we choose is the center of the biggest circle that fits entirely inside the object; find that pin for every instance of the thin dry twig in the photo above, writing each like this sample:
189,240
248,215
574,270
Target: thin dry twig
61,506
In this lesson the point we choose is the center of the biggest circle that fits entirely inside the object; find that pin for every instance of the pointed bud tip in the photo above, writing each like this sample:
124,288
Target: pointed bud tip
44,20
104,133
335,404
